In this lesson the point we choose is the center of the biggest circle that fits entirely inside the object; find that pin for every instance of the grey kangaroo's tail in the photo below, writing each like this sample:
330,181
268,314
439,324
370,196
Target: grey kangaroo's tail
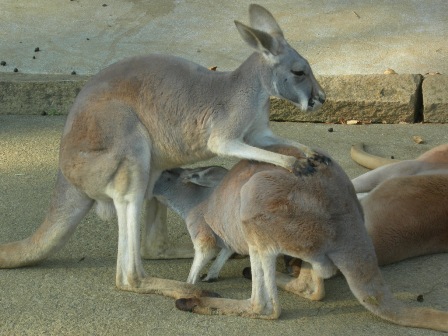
68,206
366,283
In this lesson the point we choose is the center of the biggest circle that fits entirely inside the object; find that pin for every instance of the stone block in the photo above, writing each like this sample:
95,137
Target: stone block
435,99
367,98
38,94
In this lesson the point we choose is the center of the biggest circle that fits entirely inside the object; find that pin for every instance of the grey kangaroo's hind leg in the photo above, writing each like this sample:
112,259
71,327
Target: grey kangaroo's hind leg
155,242
68,207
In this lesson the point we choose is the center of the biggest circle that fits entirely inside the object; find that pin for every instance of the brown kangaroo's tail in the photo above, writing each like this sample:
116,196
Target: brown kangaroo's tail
368,160
68,206
366,283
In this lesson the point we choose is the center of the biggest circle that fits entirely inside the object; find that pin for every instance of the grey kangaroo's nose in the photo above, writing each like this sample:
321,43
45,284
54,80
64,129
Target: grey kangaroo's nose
311,102
321,96
322,99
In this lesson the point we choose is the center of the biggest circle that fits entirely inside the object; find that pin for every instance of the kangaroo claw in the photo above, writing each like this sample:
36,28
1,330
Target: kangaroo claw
321,159
303,167
310,165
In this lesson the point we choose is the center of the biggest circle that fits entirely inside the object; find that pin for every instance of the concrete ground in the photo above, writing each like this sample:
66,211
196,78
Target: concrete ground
337,37
73,292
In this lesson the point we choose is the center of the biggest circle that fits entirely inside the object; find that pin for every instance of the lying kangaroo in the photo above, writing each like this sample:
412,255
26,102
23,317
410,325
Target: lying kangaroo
262,210
406,208
143,115
434,161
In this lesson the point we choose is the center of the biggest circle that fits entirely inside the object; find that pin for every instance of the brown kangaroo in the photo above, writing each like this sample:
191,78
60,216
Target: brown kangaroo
263,211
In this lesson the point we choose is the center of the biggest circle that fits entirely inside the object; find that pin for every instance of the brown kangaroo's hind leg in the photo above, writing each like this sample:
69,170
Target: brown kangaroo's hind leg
364,278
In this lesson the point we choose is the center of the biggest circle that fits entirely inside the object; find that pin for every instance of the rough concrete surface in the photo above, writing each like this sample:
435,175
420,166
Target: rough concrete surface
338,37
73,292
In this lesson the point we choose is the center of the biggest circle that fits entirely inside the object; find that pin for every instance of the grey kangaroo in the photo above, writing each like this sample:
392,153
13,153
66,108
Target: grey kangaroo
143,115
264,211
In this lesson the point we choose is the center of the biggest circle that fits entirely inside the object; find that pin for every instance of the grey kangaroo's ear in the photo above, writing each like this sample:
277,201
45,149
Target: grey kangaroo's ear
206,177
261,19
257,39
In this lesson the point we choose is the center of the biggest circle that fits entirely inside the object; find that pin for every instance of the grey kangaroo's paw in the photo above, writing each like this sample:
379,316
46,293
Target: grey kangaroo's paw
310,165
319,158
303,167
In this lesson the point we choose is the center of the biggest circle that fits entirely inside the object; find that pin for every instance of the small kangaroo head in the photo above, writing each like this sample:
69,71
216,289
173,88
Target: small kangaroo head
182,189
290,74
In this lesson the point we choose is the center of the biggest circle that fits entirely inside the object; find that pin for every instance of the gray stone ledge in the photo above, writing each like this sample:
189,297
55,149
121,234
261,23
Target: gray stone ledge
435,99
367,98
38,94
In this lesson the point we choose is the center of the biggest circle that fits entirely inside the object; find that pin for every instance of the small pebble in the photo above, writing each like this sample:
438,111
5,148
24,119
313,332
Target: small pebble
2,63
420,298
34,57
36,49
73,72
104,5
330,129
16,70
392,157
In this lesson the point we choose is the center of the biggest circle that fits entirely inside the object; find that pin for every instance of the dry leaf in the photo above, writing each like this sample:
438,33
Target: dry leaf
213,68
390,71
353,122
418,139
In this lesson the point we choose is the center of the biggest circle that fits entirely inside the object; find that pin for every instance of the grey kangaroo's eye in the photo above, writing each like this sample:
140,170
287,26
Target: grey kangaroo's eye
298,73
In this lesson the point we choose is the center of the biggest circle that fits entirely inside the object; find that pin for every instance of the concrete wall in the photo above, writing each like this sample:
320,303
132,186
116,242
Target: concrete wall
356,98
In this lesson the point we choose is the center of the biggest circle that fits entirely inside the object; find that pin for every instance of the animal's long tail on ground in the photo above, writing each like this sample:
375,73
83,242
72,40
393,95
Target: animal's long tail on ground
68,206
366,283
360,156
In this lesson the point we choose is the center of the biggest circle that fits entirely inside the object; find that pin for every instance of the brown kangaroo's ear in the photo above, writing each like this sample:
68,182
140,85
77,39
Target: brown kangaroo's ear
206,177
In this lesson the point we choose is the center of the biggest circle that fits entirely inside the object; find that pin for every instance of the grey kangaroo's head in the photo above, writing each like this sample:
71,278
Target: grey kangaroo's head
182,189
291,76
